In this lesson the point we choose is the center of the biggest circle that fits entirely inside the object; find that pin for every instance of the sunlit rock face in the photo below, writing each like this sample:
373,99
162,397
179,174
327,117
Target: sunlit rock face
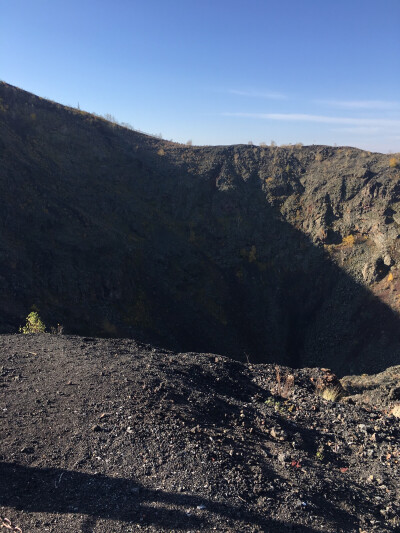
285,255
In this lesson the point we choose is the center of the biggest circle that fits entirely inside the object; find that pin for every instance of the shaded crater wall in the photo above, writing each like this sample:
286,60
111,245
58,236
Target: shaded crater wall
286,255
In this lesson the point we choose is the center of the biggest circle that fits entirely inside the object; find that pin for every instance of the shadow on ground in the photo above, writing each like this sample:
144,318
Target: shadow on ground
54,490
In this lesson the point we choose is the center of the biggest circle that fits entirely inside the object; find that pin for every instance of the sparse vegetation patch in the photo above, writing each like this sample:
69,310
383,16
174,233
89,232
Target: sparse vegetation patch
33,324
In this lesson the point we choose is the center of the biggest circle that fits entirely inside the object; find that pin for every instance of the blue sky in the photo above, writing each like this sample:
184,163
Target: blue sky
214,71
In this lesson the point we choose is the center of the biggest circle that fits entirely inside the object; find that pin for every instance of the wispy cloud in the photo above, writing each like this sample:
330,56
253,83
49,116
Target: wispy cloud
359,130
258,94
360,104
302,117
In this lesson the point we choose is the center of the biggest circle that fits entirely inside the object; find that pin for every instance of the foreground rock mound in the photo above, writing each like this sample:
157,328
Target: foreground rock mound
111,435
286,254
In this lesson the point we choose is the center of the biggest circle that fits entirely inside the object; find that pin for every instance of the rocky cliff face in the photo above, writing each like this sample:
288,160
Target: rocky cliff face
284,254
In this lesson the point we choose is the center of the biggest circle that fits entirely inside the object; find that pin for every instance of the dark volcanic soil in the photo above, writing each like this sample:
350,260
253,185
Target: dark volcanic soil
109,436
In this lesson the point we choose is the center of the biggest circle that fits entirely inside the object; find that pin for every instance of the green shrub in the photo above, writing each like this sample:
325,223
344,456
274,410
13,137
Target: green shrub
33,324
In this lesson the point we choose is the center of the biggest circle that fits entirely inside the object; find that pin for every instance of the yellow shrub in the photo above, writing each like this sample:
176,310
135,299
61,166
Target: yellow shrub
393,162
33,324
348,241
252,254
192,236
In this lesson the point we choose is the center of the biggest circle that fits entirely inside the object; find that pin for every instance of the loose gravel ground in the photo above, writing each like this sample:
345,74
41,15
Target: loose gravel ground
114,436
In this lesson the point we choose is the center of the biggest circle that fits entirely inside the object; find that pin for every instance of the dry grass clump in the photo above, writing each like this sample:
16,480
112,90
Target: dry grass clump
333,394
328,391
393,163
284,385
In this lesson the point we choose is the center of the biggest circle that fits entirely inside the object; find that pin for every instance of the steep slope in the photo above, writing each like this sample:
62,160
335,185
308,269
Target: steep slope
284,254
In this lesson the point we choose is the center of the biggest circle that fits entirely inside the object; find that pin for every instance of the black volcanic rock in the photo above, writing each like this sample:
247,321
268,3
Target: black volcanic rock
102,435
285,254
